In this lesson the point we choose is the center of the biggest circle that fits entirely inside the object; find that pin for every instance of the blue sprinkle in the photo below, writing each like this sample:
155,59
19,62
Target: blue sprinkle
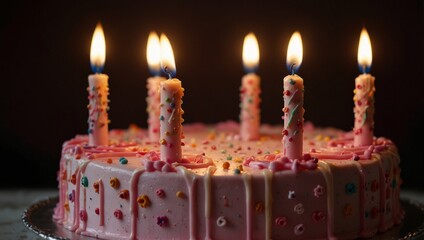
172,105
350,188
90,131
237,171
123,160
162,118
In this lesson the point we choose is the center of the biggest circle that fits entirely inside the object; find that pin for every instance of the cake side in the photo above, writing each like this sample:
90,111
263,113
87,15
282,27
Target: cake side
128,193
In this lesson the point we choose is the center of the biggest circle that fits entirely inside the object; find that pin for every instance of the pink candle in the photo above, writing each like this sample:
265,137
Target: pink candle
364,95
250,91
171,94
153,87
293,102
98,133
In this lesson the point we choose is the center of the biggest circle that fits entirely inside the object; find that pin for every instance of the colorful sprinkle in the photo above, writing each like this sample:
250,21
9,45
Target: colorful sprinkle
299,209
143,201
97,211
318,191
83,215
73,179
221,221
118,214
84,181
226,165
161,118
162,221
123,160
299,229
318,216
350,188
280,221
180,194
160,193
260,207
124,194
114,182
292,195
348,210
109,160
237,171
96,186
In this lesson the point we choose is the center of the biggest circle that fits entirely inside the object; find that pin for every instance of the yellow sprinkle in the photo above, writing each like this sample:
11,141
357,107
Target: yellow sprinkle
114,182
264,138
162,141
238,159
211,135
240,167
167,133
327,139
180,194
66,206
318,137
277,151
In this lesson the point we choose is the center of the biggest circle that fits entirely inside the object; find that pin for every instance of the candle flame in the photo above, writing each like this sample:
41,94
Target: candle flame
364,52
167,56
250,53
153,53
294,52
98,49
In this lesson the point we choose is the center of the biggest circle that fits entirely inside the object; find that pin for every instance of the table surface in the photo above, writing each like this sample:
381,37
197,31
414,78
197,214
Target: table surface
14,202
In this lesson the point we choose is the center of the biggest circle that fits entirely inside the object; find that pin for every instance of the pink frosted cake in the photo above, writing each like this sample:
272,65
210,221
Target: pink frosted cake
227,188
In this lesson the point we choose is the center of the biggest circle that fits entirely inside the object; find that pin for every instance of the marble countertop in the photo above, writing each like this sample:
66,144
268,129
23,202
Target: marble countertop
14,202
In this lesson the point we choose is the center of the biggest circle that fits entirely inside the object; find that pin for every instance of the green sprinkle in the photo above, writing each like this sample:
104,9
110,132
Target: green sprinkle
267,152
224,151
168,100
237,171
84,181
292,82
123,160
291,114
230,145
229,157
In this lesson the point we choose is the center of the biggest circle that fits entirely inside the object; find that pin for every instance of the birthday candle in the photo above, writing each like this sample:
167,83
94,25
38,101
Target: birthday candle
250,91
364,95
293,102
171,93
98,90
153,87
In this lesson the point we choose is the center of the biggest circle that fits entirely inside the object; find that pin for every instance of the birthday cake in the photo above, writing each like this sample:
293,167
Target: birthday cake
227,188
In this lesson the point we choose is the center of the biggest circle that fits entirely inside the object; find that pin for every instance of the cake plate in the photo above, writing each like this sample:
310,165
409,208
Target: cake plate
38,218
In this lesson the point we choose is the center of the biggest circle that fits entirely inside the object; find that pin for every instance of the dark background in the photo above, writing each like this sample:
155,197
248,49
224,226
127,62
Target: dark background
44,51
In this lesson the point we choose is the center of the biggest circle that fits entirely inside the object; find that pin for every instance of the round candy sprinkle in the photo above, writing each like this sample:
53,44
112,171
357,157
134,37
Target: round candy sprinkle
97,211
180,194
124,194
221,221
236,171
281,221
162,221
84,181
160,193
114,182
226,165
143,201
118,214
123,160
83,215
299,229
259,207
96,186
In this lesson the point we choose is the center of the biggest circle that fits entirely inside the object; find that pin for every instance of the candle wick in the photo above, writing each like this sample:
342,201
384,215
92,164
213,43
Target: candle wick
292,68
364,68
168,72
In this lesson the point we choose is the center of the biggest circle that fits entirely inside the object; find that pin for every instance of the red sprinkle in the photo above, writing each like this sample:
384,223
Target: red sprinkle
118,214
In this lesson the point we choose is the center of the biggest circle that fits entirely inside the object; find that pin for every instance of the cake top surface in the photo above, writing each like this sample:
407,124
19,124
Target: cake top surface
218,148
